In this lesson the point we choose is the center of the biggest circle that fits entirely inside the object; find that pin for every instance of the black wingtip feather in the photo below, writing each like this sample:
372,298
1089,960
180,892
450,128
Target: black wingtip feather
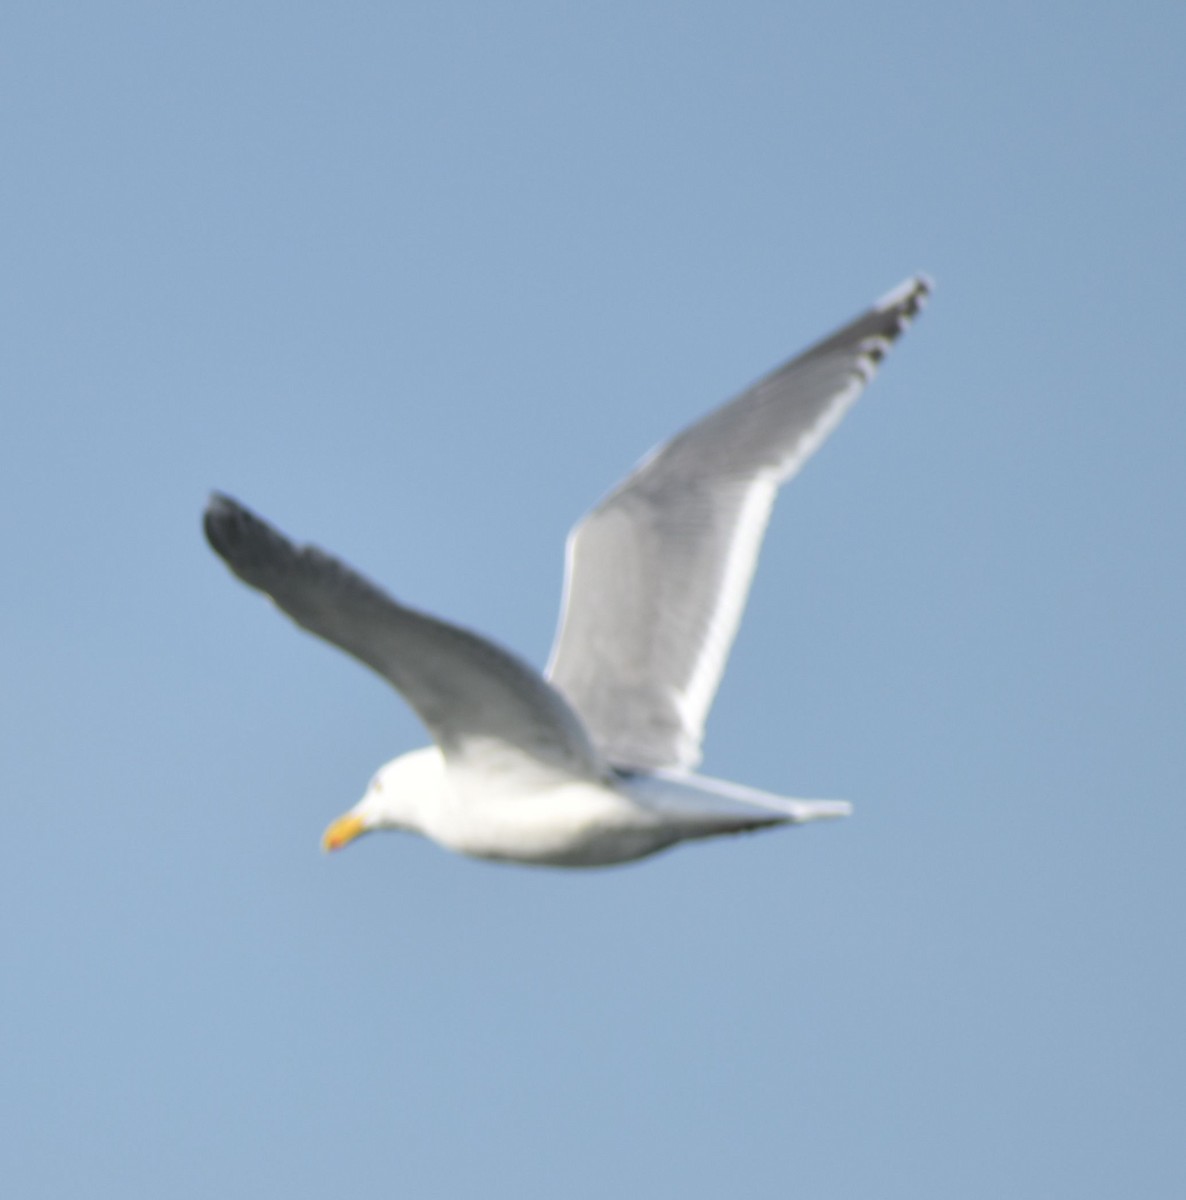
220,522
235,533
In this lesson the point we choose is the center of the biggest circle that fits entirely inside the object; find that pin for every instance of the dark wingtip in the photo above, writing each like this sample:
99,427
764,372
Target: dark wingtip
908,298
223,522
245,542
924,285
219,501
899,306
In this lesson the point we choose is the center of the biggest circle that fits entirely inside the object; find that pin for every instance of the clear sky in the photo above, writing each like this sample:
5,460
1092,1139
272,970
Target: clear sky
421,281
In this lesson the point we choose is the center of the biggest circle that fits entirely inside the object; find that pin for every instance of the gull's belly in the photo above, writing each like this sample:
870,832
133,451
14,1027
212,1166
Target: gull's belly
571,825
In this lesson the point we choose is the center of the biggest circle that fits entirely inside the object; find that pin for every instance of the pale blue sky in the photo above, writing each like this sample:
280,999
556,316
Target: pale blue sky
420,282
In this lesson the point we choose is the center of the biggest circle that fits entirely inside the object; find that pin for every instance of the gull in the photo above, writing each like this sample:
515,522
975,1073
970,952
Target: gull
591,763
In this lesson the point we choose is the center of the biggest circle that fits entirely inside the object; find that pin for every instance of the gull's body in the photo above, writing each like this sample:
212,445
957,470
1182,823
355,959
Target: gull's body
591,763
507,816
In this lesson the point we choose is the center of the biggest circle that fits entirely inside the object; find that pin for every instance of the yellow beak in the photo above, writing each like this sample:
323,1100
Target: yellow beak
343,830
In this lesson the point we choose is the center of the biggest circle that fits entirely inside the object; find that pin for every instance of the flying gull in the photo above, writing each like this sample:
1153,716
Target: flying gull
592,762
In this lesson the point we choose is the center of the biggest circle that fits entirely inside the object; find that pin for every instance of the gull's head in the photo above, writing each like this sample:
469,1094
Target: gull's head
391,798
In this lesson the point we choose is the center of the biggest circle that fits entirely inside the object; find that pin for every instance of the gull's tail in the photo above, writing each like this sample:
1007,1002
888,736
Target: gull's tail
721,806
799,811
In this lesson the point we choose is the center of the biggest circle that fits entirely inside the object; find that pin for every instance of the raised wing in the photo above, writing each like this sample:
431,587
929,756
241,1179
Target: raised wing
476,699
658,573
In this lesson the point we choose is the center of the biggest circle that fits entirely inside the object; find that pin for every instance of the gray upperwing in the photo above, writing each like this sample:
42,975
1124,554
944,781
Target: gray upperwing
658,573
466,690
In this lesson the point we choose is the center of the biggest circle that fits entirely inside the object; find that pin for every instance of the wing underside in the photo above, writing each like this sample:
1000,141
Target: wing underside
659,572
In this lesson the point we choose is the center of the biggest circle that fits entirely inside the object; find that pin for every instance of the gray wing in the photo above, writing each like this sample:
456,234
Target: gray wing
474,697
658,573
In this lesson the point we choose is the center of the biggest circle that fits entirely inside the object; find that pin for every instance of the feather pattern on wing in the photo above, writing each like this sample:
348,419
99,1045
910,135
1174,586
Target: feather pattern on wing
477,700
659,572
